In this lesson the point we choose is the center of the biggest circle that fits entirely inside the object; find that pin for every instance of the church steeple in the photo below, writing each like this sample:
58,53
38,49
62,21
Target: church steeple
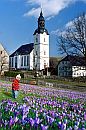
41,21
41,45
41,25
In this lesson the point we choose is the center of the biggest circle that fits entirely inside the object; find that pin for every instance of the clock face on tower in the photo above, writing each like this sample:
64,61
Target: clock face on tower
42,24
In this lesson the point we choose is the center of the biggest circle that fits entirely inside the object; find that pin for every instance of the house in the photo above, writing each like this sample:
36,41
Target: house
34,55
4,60
72,66
22,58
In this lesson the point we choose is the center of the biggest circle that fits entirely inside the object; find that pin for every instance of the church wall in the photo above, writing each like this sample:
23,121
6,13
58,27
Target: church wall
31,60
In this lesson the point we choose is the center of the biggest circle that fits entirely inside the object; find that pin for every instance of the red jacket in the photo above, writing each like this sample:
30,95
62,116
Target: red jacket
15,84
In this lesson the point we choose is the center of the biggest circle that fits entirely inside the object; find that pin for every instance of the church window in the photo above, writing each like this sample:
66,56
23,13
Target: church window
36,52
36,39
44,39
44,52
27,60
22,61
16,61
44,63
12,62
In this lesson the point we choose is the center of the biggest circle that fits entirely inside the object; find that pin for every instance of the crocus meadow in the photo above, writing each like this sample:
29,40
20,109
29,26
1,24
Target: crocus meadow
45,109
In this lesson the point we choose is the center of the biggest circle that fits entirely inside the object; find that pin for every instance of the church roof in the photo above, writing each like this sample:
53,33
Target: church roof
38,31
41,18
23,50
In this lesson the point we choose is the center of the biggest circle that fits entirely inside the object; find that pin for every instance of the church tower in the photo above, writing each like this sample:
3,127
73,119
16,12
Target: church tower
41,45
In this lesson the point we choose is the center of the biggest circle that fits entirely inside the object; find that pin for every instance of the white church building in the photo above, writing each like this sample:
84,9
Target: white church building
33,55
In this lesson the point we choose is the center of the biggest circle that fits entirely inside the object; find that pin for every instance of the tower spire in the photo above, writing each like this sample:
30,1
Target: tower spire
41,13
41,6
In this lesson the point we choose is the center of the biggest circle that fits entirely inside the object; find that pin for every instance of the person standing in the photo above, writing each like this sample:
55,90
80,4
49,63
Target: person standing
15,86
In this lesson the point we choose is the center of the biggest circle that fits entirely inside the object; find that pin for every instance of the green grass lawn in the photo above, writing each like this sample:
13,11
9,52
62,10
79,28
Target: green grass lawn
8,95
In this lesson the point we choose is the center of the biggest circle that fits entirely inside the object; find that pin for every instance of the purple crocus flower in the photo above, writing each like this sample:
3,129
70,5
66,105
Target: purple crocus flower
32,122
44,127
11,122
51,120
37,120
15,119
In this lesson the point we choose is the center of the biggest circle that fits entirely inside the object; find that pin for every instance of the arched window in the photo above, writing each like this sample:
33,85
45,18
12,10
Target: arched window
44,39
36,39
44,52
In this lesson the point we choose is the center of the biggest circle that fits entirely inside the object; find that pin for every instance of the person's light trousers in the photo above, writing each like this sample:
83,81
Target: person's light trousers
15,93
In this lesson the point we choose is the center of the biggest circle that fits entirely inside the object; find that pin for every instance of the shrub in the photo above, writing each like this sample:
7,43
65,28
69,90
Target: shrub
13,74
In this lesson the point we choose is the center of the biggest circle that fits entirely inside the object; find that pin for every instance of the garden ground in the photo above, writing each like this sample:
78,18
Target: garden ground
41,108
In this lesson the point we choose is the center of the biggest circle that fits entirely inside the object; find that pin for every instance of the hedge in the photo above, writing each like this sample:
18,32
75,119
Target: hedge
13,74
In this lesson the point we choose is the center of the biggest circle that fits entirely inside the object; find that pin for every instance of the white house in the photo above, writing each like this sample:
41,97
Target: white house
72,66
34,55
4,59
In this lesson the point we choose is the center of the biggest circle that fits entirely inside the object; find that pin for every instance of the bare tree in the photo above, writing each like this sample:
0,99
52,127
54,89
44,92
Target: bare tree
73,39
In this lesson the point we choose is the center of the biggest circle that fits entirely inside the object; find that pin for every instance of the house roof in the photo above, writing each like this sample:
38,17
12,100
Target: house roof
23,50
3,49
75,60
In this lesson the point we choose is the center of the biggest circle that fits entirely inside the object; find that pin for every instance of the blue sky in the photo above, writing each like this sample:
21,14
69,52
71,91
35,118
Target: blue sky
18,20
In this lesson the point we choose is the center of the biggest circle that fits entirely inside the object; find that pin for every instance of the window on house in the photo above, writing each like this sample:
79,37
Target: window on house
1,52
83,74
74,73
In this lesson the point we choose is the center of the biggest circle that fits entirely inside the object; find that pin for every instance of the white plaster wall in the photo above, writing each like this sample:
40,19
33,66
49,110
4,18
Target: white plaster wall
18,61
40,46
6,55
78,71
31,60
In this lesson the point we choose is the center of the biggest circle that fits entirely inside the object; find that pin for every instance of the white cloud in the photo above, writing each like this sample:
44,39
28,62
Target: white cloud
62,30
50,7
55,32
